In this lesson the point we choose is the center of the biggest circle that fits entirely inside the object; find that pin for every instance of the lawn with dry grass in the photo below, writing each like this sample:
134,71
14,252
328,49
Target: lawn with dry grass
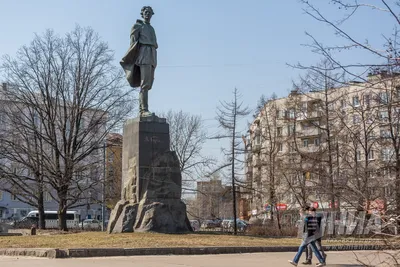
138,240
142,240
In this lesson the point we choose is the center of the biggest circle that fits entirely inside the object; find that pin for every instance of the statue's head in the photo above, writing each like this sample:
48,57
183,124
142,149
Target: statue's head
147,12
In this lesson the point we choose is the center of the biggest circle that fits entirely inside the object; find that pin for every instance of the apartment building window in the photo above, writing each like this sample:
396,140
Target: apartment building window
387,153
291,129
385,133
356,119
14,197
342,103
358,154
397,92
278,114
383,115
292,147
2,118
305,142
388,191
304,106
384,97
47,197
331,106
370,135
317,141
279,131
386,172
36,119
367,100
280,147
371,155
1,195
82,123
356,101
294,180
257,139
291,114
397,113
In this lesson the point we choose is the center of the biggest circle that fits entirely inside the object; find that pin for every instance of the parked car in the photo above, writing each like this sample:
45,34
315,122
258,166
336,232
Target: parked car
240,224
225,224
217,222
208,224
195,225
91,224
25,223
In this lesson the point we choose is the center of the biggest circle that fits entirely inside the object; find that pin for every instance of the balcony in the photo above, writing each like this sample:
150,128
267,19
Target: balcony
310,132
309,115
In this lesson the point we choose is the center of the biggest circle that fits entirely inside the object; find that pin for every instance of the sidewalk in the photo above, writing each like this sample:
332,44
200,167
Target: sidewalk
112,252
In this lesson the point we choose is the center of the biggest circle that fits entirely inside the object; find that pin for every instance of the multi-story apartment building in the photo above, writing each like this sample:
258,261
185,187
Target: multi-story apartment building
334,147
113,169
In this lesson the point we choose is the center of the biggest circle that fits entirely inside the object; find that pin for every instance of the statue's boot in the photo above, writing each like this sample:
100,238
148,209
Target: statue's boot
144,107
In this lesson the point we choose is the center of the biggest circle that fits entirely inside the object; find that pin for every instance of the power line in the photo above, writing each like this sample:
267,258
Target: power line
210,65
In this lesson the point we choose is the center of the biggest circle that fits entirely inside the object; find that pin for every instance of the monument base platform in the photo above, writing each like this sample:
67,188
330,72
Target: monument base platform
164,216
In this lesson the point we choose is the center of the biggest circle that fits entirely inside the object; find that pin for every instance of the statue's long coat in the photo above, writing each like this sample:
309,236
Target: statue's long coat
132,71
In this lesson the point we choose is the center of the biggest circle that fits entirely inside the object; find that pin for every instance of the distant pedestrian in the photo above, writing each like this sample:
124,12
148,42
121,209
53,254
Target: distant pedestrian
318,236
310,228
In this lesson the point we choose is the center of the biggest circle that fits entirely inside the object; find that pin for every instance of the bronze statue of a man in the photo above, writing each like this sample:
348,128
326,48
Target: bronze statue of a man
140,61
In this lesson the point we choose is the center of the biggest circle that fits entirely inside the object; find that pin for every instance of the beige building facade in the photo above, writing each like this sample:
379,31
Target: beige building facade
334,147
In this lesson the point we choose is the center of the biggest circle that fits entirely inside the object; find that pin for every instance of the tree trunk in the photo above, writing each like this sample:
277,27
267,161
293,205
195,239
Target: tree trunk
42,221
62,218
397,189
233,176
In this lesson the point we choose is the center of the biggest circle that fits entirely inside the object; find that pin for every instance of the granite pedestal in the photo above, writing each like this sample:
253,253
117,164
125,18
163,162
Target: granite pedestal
151,181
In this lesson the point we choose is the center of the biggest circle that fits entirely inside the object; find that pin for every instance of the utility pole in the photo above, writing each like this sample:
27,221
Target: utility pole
103,187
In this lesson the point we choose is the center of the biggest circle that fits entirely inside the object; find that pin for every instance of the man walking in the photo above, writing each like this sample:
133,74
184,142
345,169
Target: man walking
318,236
309,236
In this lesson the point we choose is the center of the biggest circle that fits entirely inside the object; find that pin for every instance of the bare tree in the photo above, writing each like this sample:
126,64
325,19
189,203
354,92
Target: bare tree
71,84
267,145
187,137
385,66
228,117
21,155
321,93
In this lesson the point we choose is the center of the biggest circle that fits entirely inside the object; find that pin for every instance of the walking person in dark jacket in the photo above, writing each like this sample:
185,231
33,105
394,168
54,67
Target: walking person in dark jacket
318,236
310,232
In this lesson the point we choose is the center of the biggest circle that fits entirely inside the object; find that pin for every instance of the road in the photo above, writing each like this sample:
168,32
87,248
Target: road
343,259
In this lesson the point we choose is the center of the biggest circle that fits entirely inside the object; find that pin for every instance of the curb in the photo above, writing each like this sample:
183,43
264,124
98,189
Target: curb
33,252
114,252
109,252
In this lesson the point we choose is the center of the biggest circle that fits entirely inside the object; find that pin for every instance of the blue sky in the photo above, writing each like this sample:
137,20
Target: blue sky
206,48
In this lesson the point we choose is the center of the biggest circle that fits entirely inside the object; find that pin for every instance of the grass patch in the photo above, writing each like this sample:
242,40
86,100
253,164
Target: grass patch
140,240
